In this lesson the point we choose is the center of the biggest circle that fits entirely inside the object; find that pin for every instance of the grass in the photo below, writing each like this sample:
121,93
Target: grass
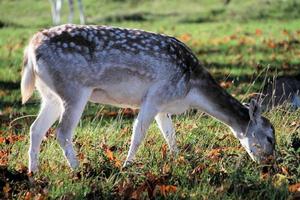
241,44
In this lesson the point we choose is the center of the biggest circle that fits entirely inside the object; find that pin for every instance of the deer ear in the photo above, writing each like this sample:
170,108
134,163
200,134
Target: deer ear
254,111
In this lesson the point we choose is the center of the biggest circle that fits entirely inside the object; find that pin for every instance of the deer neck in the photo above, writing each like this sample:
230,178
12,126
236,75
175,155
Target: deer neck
208,96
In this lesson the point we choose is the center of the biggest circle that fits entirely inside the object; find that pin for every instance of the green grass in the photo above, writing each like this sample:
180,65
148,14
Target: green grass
243,42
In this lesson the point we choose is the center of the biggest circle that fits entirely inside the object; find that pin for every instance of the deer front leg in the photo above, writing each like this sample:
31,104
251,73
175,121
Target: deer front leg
70,118
140,126
166,127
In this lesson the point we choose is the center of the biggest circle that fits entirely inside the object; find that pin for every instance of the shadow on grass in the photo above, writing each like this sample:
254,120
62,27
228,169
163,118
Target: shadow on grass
9,85
16,183
4,24
135,17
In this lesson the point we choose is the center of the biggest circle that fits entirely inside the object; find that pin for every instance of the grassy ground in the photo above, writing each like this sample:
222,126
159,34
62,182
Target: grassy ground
241,44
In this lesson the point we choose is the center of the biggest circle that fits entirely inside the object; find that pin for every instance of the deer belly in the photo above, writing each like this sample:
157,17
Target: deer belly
125,94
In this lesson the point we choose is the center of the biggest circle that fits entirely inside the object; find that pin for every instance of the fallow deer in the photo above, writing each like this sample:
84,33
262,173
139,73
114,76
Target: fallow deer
56,6
73,64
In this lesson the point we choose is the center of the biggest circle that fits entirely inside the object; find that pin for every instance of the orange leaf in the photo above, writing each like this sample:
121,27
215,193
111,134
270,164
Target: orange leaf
81,156
271,44
185,37
111,114
166,189
129,112
39,196
258,32
3,157
164,151
2,140
233,37
6,190
14,138
226,84
109,154
294,187
28,196
285,32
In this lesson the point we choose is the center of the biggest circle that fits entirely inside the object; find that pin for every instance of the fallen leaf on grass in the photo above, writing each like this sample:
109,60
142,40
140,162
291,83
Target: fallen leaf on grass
14,138
271,44
166,168
28,196
166,189
181,160
110,155
294,187
215,154
258,32
6,189
3,158
199,169
2,140
285,32
164,148
11,138
185,37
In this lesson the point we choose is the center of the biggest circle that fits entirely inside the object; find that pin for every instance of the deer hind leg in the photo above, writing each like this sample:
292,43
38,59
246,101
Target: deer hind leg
140,126
49,113
73,108
165,125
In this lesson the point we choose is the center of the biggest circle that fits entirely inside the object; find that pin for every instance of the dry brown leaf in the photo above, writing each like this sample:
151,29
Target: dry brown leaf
258,32
14,138
185,37
39,196
233,37
110,155
3,158
6,190
28,196
80,156
181,160
294,187
285,32
164,148
111,114
199,169
271,44
166,189
226,84
129,112
166,168
2,140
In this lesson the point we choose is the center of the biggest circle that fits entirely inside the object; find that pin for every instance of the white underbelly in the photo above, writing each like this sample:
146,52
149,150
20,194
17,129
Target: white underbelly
126,94
175,107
